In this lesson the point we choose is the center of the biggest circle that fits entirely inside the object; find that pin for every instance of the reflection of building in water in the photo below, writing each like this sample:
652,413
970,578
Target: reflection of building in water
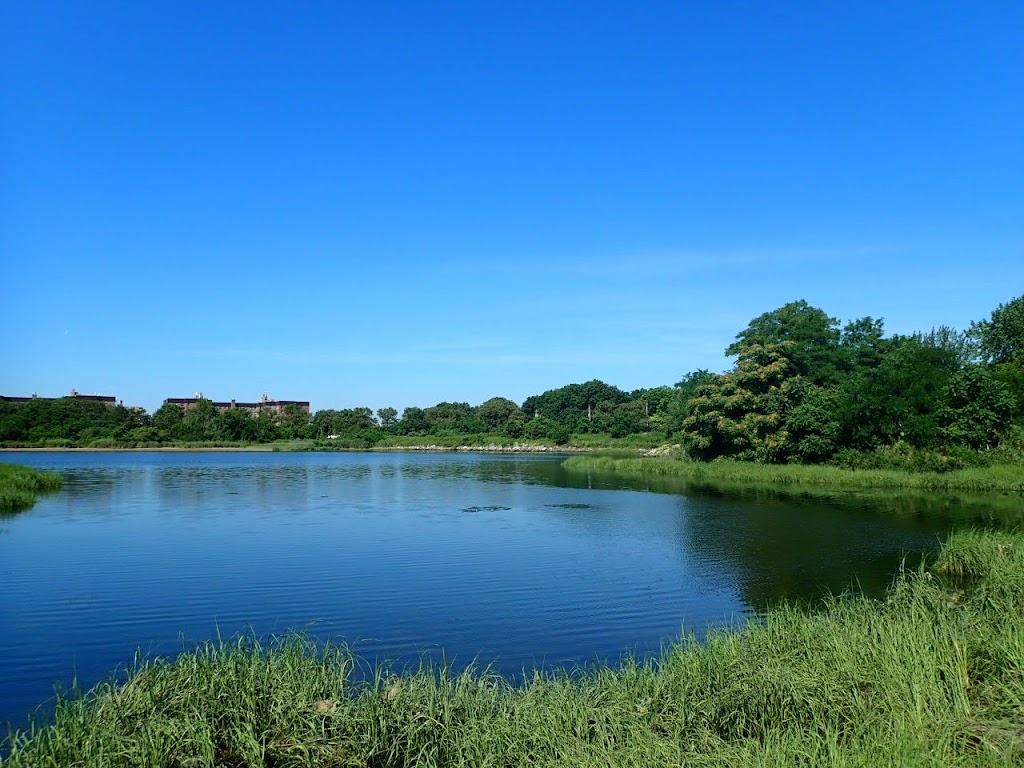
264,404
105,399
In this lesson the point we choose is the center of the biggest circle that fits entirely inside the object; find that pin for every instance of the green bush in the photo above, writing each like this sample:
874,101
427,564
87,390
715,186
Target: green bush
906,458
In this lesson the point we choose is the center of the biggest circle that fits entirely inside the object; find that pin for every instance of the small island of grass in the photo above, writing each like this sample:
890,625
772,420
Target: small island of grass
21,486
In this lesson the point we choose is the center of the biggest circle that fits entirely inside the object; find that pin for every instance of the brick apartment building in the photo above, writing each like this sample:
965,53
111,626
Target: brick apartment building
264,404
105,399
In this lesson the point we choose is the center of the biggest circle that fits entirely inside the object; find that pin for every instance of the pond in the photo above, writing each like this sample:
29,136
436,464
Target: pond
503,560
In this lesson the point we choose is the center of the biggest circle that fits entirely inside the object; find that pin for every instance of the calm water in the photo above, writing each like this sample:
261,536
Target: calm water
508,560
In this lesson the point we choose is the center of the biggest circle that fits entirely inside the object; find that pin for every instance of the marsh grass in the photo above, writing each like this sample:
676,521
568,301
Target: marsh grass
933,675
996,479
21,486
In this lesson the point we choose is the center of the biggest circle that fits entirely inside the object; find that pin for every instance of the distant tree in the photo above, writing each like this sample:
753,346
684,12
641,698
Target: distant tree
388,417
953,343
543,427
414,421
1000,343
495,413
167,421
238,424
628,418
862,342
574,405
452,418
516,425
1000,339
267,430
201,422
294,422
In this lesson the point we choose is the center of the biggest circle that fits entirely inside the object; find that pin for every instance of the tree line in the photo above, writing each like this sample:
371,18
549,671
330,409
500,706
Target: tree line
804,388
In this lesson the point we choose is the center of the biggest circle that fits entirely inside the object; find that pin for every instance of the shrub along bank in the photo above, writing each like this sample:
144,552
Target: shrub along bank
933,675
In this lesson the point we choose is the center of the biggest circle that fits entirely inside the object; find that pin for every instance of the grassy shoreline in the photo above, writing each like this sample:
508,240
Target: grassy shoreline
21,486
997,479
933,675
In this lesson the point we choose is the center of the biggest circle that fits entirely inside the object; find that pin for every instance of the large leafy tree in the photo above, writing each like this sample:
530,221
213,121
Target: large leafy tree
1000,339
494,414
348,422
167,420
452,418
238,424
414,421
814,424
900,398
575,405
976,409
862,343
201,422
388,417
743,413
810,336
1000,343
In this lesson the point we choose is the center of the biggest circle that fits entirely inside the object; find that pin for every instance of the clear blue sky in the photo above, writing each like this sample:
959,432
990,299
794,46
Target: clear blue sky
401,203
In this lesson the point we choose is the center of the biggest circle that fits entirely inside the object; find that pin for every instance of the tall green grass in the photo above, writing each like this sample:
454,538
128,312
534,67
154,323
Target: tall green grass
20,486
996,479
933,675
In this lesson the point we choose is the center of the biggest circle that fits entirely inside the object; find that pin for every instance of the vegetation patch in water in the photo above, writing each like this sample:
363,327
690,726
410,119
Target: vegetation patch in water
996,479
21,486
491,508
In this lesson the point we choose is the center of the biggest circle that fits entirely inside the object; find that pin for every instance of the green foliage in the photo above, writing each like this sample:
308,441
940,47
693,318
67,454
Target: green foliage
20,486
587,407
452,418
899,399
496,413
976,409
294,422
388,417
975,479
414,422
904,457
238,424
66,419
1012,376
542,427
167,421
810,340
814,424
201,422
1000,339
742,414
862,343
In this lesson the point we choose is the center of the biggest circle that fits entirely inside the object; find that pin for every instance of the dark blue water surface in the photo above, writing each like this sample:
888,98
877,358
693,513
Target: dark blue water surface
506,560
